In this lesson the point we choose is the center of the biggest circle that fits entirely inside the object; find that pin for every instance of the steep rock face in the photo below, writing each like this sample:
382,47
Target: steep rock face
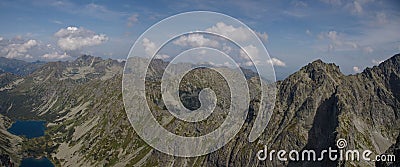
315,106
369,107
305,109
10,145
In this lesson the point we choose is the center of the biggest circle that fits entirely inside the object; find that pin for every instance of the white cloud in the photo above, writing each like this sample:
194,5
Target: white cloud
356,69
19,50
149,46
332,35
132,20
55,55
74,38
337,41
195,40
251,50
236,33
1,38
276,62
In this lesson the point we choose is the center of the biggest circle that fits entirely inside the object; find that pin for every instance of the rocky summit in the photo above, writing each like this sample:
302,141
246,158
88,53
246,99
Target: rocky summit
82,104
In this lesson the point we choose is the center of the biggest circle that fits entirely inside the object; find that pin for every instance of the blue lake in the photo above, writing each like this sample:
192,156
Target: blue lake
29,129
33,162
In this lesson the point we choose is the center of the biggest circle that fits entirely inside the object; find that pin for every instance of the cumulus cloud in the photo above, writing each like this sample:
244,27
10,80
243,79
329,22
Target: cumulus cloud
132,20
251,50
19,50
74,38
236,33
149,46
337,41
332,35
55,55
195,40
356,69
276,62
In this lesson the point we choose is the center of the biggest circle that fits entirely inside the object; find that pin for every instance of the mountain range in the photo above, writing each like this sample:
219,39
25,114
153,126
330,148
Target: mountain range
82,103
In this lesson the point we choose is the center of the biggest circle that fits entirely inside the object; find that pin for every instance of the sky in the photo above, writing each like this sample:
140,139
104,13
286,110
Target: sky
353,34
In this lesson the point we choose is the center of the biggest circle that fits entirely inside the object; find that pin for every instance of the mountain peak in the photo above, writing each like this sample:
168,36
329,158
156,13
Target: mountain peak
85,57
317,71
319,67
319,64
87,60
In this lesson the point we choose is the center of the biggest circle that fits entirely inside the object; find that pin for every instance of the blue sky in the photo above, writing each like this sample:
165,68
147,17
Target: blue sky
353,34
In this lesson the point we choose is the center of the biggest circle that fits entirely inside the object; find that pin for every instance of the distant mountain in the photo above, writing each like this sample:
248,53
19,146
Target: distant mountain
18,67
82,101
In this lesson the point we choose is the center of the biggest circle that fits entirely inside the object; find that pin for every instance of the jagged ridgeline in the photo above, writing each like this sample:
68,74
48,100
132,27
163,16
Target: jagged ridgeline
87,125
